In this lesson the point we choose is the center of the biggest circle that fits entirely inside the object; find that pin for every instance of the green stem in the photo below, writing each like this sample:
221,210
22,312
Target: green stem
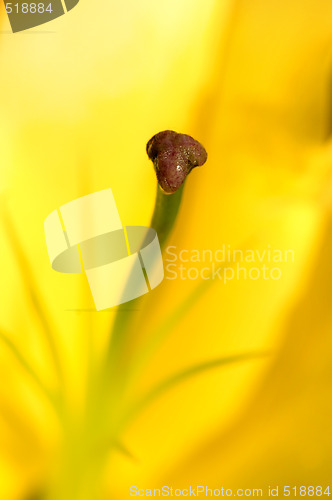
163,221
165,213
105,393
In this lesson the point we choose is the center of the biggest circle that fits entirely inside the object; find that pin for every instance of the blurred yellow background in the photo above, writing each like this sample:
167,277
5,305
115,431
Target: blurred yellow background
80,97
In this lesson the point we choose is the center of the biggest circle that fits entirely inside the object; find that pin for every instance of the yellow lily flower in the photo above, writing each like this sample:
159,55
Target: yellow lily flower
80,98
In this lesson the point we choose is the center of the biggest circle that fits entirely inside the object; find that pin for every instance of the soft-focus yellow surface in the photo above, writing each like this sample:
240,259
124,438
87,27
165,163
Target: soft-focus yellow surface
79,99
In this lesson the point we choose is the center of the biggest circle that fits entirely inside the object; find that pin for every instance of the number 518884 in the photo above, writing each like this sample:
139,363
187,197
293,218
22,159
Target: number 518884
309,491
28,8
